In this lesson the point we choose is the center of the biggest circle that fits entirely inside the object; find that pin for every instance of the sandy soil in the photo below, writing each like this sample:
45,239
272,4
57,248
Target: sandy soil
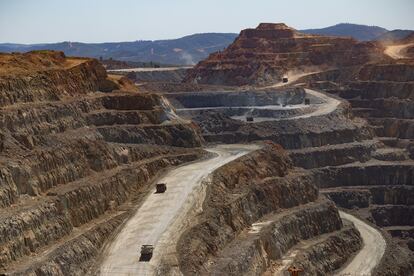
371,253
155,219
397,51
28,63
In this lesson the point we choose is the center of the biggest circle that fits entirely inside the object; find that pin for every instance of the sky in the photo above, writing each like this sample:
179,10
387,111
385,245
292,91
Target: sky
45,21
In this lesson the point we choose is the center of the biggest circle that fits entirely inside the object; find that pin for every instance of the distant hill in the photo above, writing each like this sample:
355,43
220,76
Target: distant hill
394,35
359,32
186,50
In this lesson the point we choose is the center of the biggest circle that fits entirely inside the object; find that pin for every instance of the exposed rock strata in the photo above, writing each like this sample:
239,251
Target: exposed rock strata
264,54
243,193
72,158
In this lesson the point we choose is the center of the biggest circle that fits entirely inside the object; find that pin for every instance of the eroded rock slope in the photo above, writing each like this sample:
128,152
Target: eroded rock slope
263,55
73,158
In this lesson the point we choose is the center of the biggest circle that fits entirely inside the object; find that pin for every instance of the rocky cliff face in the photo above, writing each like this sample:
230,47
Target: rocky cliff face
383,93
377,189
335,128
264,54
72,158
256,209
51,84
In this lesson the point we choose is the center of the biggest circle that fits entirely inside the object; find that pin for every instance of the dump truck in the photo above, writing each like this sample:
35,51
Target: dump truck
249,119
146,253
160,188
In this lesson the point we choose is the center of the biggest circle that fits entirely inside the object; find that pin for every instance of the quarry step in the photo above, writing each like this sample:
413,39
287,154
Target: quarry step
399,227
124,117
249,244
391,154
97,177
28,203
373,172
332,155
395,142
48,252
374,162
332,244
376,143
370,196
393,127
143,126
362,188
363,111
309,136
77,203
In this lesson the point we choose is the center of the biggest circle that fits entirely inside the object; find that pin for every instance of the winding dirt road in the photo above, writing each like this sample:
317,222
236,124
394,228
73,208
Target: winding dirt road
159,215
397,51
323,104
371,252
328,106
361,265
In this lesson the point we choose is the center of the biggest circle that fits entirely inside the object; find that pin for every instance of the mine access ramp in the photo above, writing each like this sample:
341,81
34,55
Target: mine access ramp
146,253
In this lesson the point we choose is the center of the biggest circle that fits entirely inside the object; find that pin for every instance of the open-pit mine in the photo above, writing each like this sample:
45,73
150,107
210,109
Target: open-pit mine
284,151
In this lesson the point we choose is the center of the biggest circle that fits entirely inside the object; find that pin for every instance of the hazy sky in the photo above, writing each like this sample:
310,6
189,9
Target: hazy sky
38,21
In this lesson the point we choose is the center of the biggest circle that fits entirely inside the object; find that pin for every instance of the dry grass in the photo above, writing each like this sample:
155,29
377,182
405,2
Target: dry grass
26,63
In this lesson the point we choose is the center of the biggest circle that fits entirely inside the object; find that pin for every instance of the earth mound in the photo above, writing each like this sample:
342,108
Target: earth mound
263,55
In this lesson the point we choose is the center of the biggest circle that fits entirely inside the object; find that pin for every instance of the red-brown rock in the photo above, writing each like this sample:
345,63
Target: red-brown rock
264,54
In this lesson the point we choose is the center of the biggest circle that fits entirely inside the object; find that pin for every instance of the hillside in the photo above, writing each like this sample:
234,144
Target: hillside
186,50
359,32
263,55
394,35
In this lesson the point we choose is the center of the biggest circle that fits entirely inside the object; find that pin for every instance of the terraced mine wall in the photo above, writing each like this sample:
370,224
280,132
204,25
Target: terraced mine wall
244,111
383,94
376,173
340,151
55,84
371,176
379,188
167,75
379,192
335,128
241,195
237,99
264,55
72,161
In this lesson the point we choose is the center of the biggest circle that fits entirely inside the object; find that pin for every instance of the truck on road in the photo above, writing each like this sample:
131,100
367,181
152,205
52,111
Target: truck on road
146,253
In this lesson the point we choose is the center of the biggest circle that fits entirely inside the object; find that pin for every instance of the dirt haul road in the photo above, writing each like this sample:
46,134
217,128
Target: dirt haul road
397,51
361,265
157,219
323,105
371,252
329,105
